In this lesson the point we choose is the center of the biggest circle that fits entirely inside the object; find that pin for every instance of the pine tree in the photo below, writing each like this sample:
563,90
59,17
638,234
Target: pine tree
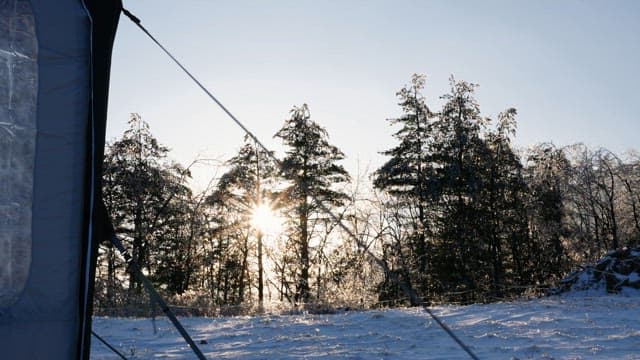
407,174
502,208
175,252
312,171
140,187
458,151
245,187
547,175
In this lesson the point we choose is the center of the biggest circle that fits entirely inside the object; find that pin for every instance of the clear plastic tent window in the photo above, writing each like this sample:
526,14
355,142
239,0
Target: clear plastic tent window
18,95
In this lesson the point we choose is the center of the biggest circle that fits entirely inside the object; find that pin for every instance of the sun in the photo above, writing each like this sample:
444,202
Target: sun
266,220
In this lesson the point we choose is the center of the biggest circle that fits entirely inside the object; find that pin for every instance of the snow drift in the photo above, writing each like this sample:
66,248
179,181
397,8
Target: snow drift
618,271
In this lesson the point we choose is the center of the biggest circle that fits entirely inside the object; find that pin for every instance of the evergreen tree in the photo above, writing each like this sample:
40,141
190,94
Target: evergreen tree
175,254
312,171
140,187
502,208
244,188
454,183
407,174
459,188
547,175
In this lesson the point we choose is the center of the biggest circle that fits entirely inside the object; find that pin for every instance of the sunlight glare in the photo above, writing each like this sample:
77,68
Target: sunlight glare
267,221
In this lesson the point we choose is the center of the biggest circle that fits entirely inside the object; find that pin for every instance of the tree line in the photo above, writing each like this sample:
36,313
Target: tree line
456,213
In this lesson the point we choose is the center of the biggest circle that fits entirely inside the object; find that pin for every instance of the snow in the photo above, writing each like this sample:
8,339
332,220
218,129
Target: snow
572,326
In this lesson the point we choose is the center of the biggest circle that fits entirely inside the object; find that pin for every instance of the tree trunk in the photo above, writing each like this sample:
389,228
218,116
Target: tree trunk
260,271
111,275
303,286
243,269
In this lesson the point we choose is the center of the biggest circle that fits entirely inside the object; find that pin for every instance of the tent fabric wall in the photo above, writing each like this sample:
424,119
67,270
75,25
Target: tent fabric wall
105,15
48,316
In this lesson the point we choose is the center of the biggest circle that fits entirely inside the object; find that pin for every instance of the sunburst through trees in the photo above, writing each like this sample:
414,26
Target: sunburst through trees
456,212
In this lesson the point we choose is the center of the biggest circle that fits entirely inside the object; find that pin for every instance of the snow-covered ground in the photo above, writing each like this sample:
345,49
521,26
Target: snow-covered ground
569,327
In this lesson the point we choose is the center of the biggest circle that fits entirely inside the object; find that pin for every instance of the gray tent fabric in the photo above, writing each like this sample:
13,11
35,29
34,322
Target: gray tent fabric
52,118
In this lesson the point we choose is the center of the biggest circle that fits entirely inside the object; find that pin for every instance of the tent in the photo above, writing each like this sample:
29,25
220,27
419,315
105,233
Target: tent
54,75
55,59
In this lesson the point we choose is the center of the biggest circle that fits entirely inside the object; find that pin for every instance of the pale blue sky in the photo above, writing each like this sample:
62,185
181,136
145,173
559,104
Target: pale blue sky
571,68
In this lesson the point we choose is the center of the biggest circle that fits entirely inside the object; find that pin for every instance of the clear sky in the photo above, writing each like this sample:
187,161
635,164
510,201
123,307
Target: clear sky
571,68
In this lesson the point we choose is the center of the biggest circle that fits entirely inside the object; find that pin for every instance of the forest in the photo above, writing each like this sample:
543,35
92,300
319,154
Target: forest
456,212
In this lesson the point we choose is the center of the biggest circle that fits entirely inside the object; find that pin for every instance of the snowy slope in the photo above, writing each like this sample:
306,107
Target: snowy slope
570,327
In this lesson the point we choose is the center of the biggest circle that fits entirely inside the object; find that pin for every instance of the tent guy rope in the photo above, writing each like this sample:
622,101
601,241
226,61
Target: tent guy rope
156,297
111,347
